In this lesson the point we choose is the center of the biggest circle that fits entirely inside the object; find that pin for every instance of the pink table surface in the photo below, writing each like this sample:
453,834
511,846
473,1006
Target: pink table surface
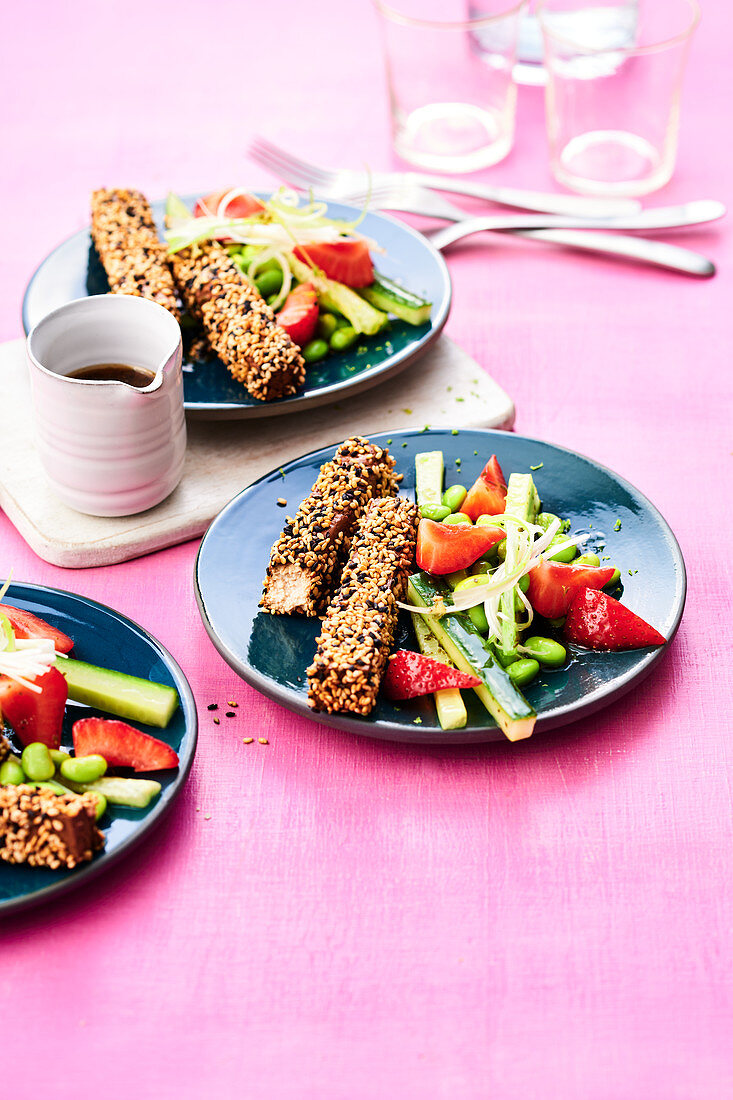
326,917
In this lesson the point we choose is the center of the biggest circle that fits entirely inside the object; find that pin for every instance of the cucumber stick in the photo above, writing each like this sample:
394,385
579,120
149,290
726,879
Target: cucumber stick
523,502
392,298
116,692
448,701
137,793
470,652
429,471
362,316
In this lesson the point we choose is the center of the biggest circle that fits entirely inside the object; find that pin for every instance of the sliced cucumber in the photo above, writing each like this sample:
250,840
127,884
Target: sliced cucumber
392,298
176,209
120,694
471,653
137,793
429,470
332,295
7,634
522,501
448,701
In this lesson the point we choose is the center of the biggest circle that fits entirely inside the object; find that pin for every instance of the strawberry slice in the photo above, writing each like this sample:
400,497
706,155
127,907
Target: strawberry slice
345,261
243,205
444,548
26,625
597,621
552,585
487,495
122,746
35,716
299,314
411,674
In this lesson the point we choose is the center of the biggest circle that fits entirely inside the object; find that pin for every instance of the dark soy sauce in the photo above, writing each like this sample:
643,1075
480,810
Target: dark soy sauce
138,377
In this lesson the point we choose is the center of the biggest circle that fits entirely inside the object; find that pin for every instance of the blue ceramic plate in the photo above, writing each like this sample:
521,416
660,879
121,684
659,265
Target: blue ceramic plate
272,652
104,637
73,270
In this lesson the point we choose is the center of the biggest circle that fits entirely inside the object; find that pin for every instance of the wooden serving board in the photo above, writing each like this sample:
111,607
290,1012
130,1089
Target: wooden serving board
444,388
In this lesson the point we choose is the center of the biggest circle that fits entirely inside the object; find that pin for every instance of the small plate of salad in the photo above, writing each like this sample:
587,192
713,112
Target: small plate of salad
91,705
382,292
535,558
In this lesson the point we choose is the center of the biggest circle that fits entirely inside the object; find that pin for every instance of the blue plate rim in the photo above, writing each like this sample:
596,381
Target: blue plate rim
101,863
430,737
391,366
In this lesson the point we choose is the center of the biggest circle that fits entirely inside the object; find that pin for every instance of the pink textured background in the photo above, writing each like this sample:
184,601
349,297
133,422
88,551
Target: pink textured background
359,921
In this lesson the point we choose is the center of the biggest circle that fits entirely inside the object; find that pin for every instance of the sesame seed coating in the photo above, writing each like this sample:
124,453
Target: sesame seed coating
4,748
135,260
45,829
306,560
239,324
357,632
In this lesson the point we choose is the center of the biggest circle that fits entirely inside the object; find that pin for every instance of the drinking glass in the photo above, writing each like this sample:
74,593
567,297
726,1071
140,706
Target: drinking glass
614,77
450,78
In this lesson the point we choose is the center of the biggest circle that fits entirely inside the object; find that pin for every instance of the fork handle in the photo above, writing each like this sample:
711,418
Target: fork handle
545,203
641,249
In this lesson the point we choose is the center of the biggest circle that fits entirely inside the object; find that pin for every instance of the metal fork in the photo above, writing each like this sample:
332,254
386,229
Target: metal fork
337,182
417,200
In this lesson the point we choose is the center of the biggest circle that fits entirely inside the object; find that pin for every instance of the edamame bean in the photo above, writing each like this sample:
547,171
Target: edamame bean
548,652
566,555
557,624
477,615
483,568
546,519
11,773
474,581
458,517
58,756
523,583
435,512
501,550
454,497
36,761
101,805
343,338
269,282
522,671
326,325
488,521
84,769
614,579
314,350
588,559
341,321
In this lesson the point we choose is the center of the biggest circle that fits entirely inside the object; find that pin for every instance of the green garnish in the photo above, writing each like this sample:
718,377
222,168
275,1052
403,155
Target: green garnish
538,466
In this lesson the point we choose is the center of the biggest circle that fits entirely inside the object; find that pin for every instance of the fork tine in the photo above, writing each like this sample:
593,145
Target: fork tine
289,167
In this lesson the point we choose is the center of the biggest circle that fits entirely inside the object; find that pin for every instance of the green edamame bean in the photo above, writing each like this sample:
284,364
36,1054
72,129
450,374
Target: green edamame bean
454,497
434,511
341,321
458,517
477,615
614,579
545,650
566,555
314,350
523,583
488,521
522,671
546,519
557,624
36,761
58,756
101,806
326,325
84,769
474,581
343,338
482,569
269,282
11,773
588,559
501,550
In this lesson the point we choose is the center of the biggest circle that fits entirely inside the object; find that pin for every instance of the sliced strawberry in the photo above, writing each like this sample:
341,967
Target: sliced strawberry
35,716
122,746
597,621
299,314
487,495
552,585
346,261
26,625
444,548
240,206
411,674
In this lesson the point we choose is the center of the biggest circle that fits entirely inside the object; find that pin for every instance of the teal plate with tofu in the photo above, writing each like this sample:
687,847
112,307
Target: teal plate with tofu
104,638
272,652
73,270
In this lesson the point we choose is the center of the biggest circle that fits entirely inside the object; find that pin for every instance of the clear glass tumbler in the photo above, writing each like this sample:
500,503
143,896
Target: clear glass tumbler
451,85
613,91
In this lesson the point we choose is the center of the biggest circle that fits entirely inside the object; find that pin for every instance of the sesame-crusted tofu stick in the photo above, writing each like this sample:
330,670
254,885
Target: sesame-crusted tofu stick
357,632
135,260
239,324
306,560
45,829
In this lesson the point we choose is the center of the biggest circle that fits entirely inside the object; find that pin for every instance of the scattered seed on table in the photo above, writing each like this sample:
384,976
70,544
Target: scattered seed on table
231,714
247,740
207,817
263,741
217,721
538,466
281,502
231,703
213,706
